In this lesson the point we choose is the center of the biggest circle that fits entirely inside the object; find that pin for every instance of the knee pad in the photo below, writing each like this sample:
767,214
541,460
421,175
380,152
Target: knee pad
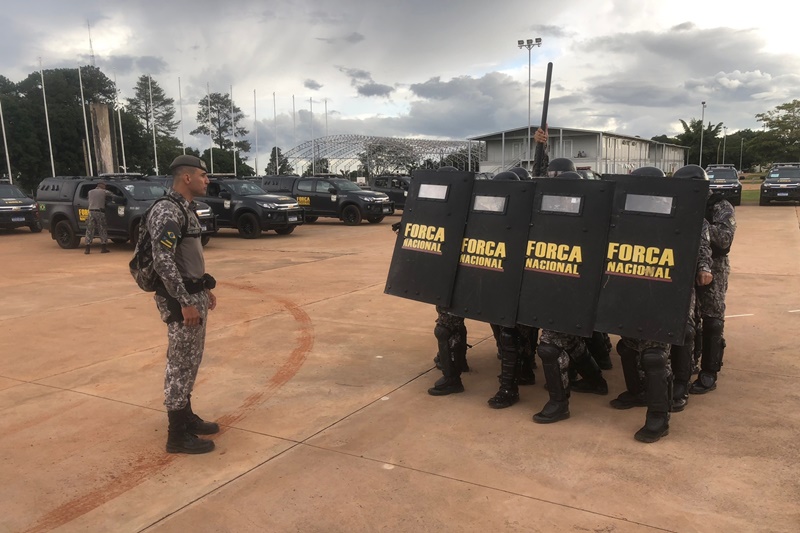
654,358
625,351
713,326
548,352
442,333
689,334
508,339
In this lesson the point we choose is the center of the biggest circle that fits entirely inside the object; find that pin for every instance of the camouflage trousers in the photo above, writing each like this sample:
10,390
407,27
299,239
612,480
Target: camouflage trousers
184,352
571,346
711,298
96,222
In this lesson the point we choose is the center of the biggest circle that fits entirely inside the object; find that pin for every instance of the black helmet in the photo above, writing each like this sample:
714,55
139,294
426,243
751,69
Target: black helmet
506,176
692,172
521,172
570,175
649,171
448,168
561,164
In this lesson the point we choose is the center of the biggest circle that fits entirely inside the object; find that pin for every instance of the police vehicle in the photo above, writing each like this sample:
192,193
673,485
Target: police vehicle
241,203
327,196
17,209
781,184
64,207
395,187
724,180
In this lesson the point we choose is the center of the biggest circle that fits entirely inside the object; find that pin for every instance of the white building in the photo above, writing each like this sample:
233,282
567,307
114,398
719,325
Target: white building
603,152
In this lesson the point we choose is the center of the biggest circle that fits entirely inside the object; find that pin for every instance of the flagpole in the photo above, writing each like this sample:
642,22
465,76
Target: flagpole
233,122
294,126
153,119
255,126
118,107
180,105
47,120
85,124
275,119
5,144
210,133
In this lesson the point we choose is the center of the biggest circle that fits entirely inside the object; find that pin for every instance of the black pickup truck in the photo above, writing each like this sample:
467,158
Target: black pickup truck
395,187
323,196
17,209
64,207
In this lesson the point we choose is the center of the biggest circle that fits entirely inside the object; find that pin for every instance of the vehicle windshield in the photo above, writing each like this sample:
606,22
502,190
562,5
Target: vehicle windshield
145,191
245,188
10,191
727,174
778,174
346,185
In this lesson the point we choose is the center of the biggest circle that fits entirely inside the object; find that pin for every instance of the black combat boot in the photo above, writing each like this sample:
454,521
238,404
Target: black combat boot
593,381
600,348
196,425
88,249
681,362
711,362
104,249
525,375
460,350
179,440
658,393
634,395
508,394
450,382
555,375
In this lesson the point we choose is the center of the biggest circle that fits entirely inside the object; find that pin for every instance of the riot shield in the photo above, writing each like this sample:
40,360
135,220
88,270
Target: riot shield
492,252
428,244
565,254
651,259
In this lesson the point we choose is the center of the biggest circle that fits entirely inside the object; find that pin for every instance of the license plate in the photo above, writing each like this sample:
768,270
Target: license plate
292,218
387,209
783,194
17,219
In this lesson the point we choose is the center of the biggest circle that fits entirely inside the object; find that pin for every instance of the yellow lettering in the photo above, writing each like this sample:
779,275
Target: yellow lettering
612,249
667,258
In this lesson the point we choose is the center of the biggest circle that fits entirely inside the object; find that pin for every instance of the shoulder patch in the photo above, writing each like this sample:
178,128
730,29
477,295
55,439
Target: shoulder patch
169,236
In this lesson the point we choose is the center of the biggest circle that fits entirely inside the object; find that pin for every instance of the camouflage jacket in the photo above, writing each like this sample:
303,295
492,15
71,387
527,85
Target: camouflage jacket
722,226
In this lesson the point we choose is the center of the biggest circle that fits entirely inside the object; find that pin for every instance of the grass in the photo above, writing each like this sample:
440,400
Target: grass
751,196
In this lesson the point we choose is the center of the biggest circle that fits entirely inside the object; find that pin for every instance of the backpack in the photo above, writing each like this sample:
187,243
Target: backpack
141,266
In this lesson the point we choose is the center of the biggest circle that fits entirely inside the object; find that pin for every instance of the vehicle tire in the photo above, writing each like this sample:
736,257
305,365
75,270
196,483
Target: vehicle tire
65,235
204,239
119,240
761,201
351,215
311,219
375,219
36,227
736,201
285,231
248,226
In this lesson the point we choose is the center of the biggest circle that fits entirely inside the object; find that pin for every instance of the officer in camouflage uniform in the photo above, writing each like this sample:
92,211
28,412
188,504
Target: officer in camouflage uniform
183,298
558,350
97,217
711,299
656,389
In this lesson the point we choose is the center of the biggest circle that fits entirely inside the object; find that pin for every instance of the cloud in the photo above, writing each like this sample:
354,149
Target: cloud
374,89
313,85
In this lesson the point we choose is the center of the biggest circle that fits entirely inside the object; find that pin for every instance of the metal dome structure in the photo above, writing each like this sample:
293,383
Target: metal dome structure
371,155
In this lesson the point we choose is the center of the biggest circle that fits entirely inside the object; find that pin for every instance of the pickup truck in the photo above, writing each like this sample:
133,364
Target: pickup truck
324,196
64,207
395,187
17,209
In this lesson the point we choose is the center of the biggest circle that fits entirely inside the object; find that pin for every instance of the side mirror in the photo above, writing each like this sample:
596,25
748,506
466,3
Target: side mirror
763,178
225,195
332,190
119,200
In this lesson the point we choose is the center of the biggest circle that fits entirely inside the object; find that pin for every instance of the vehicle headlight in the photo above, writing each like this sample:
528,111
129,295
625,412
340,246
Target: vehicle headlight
204,212
369,198
267,205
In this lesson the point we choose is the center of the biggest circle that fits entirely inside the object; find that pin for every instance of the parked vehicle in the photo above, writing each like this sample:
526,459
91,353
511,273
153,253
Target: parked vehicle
17,209
395,187
724,180
324,196
781,184
64,207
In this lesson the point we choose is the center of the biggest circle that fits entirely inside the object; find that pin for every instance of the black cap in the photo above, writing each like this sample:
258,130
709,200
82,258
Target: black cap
188,161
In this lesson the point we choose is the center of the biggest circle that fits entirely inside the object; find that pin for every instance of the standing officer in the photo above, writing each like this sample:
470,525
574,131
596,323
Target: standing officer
97,217
183,299
711,298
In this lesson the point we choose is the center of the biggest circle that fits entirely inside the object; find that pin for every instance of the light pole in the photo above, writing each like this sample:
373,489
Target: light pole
724,142
702,127
530,43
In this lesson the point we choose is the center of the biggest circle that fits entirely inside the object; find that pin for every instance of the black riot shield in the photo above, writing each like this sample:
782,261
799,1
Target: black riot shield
653,244
428,244
492,258
565,254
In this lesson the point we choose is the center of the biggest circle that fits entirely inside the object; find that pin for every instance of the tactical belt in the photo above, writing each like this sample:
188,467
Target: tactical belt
96,210
193,286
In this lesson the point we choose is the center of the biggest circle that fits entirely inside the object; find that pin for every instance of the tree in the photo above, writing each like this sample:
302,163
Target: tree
321,165
783,125
283,168
387,157
223,162
163,109
219,122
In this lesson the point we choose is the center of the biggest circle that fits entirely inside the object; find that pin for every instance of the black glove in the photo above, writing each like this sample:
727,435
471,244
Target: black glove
396,227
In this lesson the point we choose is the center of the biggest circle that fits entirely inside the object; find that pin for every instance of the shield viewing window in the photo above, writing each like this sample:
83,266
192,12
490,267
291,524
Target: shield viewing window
490,204
570,205
429,191
655,205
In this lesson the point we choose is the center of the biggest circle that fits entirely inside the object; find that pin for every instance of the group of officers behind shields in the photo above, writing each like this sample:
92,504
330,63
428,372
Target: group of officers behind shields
642,256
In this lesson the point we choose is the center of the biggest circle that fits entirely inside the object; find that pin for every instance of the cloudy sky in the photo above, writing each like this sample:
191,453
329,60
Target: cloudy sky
442,69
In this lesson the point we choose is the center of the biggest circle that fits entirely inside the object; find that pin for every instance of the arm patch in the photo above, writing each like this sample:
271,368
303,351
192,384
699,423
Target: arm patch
169,235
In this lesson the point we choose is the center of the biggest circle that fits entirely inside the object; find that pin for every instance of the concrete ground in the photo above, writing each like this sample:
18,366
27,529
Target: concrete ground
319,380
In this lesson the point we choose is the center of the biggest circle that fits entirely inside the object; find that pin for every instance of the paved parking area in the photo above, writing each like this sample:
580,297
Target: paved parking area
319,381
